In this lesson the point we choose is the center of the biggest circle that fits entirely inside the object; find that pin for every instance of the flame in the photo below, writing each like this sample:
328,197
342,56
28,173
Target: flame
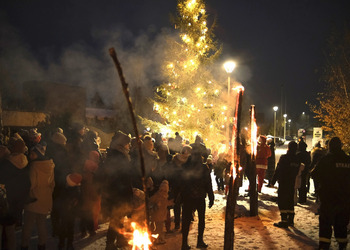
253,133
140,239
238,88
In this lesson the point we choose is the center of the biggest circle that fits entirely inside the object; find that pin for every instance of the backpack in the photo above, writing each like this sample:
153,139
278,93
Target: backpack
4,205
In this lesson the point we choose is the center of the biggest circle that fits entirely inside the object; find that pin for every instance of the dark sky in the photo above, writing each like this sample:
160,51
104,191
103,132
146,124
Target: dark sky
274,42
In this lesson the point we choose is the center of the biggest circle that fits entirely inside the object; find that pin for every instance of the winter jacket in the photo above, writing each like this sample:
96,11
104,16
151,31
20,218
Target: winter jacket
117,193
263,152
220,167
42,185
59,154
159,203
305,158
196,180
14,174
333,173
286,172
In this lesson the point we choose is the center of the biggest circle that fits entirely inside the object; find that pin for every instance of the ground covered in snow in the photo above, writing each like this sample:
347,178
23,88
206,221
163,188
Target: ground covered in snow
250,232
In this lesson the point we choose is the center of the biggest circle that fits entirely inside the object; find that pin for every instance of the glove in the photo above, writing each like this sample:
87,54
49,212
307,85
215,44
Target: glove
211,203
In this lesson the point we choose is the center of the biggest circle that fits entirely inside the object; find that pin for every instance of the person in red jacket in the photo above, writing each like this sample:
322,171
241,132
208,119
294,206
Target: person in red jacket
263,152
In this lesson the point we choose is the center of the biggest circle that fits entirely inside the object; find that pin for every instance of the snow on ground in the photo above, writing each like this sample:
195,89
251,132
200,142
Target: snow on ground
250,232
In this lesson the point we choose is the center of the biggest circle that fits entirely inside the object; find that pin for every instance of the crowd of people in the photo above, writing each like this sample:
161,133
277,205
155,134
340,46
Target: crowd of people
66,177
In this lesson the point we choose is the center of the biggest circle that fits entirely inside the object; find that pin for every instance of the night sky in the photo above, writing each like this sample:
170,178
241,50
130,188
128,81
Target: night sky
278,45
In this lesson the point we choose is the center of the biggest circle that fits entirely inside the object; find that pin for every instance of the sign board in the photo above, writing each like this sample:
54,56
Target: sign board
317,133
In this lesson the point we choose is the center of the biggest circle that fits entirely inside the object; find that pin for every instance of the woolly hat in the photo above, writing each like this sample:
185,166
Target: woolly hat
119,139
334,145
74,179
18,146
59,138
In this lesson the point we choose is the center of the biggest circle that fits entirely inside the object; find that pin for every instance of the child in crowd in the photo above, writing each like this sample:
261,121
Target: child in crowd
159,203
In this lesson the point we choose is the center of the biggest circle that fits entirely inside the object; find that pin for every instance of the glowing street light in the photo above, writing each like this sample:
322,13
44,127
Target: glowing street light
284,126
289,121
275,108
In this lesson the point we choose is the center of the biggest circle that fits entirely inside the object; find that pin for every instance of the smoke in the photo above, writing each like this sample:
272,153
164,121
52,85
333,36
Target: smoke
88,66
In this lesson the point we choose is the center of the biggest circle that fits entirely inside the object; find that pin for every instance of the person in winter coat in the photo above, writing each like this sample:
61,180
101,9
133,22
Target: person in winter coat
271,162
316,154
173,173
305,158
117,192
74,147
333,174
196,185
42,184
219,170
91,200
14,175
69,208
262,154
159,203
57,151
286,172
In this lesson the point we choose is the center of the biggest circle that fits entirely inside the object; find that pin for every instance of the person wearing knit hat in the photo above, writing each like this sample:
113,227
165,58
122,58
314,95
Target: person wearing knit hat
90,198
117,193
333,173
42,185
17,146
120,139
14,175
159,201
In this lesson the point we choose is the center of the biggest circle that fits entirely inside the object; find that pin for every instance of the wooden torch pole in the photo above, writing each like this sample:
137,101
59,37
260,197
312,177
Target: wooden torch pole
234,180
125,88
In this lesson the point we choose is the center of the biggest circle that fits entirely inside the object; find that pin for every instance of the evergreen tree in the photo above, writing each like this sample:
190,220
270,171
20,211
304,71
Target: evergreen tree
190,101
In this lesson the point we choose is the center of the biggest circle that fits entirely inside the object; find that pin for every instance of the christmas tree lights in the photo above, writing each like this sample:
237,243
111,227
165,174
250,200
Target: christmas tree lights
191,102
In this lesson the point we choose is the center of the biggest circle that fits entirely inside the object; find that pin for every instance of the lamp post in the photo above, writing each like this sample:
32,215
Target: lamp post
229,67
284,126
275,108
289,121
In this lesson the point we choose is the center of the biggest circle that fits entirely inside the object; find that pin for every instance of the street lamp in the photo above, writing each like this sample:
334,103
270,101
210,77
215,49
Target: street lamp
275,108
229,67
289,121
284,126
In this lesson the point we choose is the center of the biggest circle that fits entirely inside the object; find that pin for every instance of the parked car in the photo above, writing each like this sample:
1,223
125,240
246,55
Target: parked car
279,141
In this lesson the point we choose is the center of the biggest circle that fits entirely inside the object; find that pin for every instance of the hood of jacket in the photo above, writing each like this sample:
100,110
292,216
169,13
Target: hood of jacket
19,160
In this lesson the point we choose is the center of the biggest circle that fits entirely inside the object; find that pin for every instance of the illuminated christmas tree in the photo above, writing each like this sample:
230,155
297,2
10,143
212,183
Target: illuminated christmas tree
191,101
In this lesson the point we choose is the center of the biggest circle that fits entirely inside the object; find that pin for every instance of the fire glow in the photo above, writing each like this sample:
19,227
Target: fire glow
141,239
253,133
